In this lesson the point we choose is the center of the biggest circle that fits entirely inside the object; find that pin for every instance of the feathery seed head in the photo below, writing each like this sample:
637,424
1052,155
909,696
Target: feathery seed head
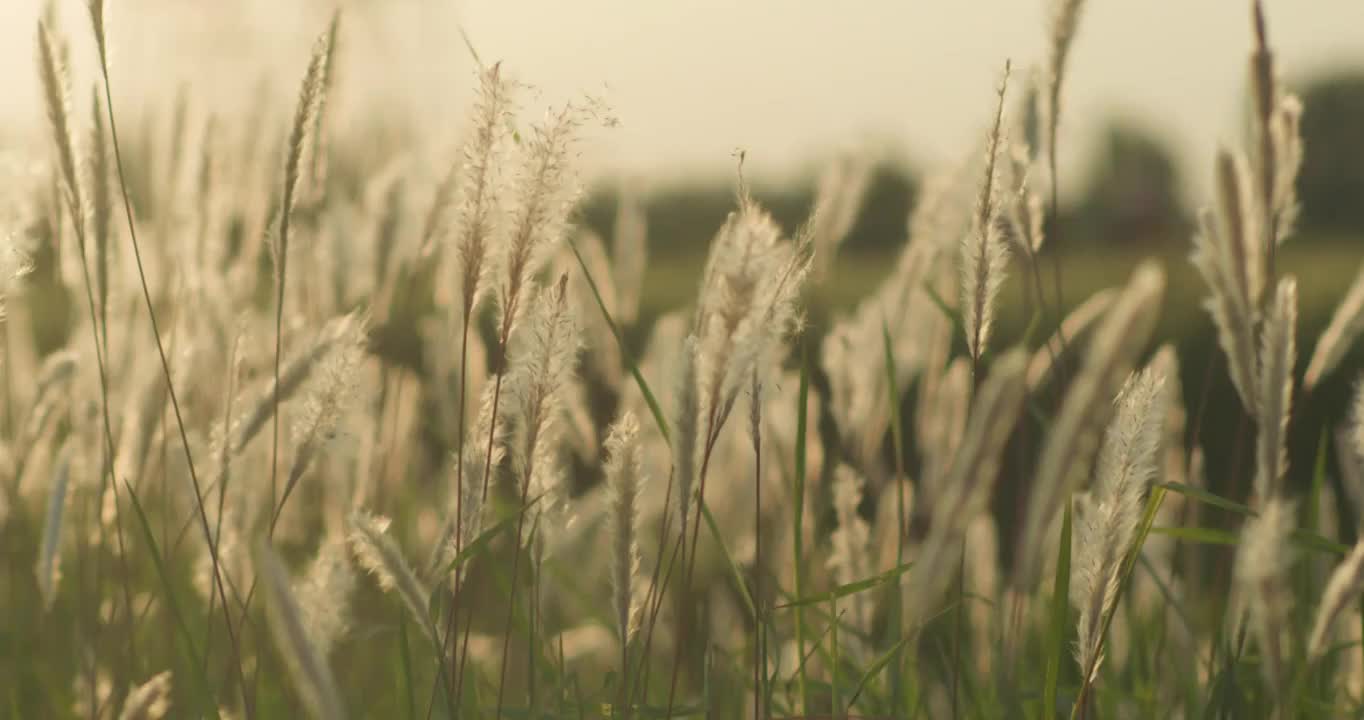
479,192
984,253
542,364
328,393
96,9
310,98
1341,591
1265,552
149,701
748,304
851,541
1340,334
1242,259
14,265
1026,214
1262,83
685,419
1064,21
476,460
1278,355
379,554
52,67
1127,461
623,471
1263,559
324,595
1286,137
1105,530
545,193
294,374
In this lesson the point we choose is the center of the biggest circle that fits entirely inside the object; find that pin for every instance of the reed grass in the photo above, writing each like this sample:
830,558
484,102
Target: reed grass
927,511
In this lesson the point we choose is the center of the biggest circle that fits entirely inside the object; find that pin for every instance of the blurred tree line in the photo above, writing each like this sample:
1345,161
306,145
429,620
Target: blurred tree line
1132,193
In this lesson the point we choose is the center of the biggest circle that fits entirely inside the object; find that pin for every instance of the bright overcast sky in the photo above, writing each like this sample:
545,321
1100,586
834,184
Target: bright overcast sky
691,80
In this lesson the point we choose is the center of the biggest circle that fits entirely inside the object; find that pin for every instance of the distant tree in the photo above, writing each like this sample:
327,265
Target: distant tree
683,218
881,224
1132,191
1331,184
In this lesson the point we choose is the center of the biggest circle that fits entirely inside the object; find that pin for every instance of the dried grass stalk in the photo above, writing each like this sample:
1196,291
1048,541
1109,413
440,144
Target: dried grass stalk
479,202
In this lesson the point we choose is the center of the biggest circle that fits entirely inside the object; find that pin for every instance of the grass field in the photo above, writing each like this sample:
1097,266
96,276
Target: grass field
289,432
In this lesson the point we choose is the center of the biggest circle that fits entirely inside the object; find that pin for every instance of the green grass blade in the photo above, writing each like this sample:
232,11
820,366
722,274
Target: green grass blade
206,698
1166,593
1210,536
625,354
1198,535
734,570
897,428
405,648
1207,498
799,520
851,588
1313,541
1056,631
872,670
478,544
944,308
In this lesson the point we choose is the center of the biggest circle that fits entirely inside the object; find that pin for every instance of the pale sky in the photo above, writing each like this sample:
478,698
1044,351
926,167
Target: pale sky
693,80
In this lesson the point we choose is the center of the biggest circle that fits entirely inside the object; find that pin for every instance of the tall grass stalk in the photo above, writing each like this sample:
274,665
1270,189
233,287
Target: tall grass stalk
310,97
97,20
53,72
